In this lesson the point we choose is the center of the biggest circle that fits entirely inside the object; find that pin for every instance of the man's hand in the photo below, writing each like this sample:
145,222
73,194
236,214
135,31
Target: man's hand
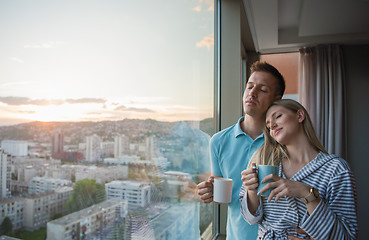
300,231
205,190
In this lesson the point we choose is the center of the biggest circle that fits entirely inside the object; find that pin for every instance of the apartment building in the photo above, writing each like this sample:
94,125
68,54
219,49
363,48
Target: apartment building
5,172
41,208
15,148
88,221
137,194
93,148
14,209
102,174
43,184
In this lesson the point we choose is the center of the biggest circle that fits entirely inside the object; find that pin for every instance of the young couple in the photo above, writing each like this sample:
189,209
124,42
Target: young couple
314,194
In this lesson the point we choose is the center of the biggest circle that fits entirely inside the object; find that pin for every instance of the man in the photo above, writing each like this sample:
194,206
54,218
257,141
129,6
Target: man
232,148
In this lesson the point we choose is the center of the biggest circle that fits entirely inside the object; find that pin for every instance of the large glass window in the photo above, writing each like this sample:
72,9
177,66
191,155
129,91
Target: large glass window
109,104
287,64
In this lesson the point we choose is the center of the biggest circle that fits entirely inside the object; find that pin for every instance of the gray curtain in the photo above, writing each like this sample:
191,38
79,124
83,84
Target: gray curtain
322,92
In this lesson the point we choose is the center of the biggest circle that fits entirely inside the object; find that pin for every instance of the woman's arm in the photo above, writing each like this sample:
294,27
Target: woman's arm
336,217
250,217
250,201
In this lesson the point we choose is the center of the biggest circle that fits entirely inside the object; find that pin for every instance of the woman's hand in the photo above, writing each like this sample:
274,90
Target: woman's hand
284,187
299,230
250,179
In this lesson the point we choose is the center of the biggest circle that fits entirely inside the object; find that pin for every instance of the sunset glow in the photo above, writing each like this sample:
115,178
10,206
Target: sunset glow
62,61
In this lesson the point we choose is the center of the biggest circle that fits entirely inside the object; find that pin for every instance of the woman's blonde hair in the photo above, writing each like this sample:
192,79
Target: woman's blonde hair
272,152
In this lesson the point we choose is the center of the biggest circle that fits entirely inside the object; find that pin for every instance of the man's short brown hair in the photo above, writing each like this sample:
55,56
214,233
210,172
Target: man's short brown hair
266,67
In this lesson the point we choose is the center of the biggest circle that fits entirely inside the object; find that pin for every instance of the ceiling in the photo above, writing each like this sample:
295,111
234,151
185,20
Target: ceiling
287,25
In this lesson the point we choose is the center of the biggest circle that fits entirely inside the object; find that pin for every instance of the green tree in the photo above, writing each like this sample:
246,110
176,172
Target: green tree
73,178
56,216
6,226
86,192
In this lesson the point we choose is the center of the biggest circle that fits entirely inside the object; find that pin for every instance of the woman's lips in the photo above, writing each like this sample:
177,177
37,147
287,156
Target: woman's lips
276,132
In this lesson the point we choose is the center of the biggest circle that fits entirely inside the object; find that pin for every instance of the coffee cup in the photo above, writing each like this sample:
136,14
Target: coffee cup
263,171
222,192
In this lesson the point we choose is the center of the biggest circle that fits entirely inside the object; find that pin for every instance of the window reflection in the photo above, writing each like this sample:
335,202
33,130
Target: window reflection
107,113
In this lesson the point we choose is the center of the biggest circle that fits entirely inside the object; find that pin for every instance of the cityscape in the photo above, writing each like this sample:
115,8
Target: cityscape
128,179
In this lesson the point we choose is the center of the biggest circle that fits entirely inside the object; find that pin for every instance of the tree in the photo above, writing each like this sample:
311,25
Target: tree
6,226
86,192
56,216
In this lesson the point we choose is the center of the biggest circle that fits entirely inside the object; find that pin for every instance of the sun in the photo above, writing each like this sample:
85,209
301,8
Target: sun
52,113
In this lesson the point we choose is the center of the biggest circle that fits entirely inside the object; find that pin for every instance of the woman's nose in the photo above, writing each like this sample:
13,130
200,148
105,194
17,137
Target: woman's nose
273,125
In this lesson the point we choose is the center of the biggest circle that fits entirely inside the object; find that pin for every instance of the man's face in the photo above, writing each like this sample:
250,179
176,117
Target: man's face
260,92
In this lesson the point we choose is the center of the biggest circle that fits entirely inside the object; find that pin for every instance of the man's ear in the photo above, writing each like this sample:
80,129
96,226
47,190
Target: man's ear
278,97
300,115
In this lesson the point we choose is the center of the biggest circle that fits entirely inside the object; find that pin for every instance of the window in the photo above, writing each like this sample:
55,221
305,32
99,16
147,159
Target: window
287,64
113,91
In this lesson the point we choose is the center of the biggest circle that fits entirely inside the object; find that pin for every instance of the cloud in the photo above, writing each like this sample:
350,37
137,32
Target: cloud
11,100
123,108
49,44
197,8
15,100
45,102
18,83
27,112
209,4
86,100
207,42
18,60
140,110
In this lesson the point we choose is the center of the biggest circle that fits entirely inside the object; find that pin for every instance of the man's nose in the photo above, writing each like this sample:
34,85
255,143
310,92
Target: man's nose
252,93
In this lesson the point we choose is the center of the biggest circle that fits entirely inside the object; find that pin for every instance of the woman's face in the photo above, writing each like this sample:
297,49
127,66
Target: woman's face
283,124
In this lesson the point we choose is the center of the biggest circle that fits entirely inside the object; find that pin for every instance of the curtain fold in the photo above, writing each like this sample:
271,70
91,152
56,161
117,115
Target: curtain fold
322,92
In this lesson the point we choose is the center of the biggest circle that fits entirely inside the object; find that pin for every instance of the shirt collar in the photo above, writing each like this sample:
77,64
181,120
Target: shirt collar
238,131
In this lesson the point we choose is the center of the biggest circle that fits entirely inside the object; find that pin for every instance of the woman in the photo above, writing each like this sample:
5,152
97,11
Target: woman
314,195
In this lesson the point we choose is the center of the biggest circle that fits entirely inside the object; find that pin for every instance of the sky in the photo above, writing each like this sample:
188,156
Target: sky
95,60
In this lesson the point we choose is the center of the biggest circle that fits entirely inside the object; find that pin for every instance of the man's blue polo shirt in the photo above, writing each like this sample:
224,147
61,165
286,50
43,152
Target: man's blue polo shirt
231,150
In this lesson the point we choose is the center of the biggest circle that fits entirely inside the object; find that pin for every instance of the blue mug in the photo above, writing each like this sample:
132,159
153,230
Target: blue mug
263,171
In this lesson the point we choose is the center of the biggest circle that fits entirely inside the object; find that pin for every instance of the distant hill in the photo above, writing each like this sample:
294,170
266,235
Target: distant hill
75,132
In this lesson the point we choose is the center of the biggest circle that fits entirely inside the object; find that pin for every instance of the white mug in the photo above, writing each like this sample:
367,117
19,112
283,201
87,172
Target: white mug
222,192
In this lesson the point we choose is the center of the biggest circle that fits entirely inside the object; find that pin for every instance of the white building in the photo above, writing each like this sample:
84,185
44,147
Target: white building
137,194
102,174
107,149
5,174
93,148
12,208
15,148
41,208
150,147
121,146
62,172
25,168
122,160
161,162
88,221
176,184
42,184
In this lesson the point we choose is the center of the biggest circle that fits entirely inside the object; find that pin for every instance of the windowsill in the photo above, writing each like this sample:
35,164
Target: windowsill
221,237
208,233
